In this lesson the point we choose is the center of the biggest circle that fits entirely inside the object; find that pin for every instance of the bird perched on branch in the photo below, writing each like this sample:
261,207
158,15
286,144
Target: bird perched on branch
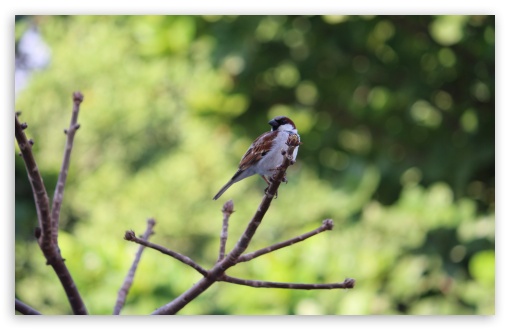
265,153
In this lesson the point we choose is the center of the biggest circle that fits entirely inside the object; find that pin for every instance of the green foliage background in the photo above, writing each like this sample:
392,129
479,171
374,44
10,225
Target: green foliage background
397,119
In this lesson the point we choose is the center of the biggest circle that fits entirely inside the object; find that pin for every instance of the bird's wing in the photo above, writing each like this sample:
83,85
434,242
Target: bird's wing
258,149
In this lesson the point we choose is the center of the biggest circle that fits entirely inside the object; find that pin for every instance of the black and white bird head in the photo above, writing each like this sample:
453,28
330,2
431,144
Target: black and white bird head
282,123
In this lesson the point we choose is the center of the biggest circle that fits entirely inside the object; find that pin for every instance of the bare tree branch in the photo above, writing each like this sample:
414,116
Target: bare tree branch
41,199
326,225
230,259
128,281
25,309
130,236
228,209
44,233
58,195
348,283
48,218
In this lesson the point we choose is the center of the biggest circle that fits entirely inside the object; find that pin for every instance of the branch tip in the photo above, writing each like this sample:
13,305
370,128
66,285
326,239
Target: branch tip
31,142
151,222
129,235
77,97
328,224
349,283
24,125
228,207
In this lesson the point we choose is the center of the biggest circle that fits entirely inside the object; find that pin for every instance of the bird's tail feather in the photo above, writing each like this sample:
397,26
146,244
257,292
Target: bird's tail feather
240,174
222,190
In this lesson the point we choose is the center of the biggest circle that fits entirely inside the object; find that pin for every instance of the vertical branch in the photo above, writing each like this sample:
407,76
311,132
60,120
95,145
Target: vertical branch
41,200
58,196
128,281
228,209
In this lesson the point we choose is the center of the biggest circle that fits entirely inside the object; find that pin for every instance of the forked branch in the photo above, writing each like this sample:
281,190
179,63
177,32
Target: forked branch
48,220
217,273
46,232
326,225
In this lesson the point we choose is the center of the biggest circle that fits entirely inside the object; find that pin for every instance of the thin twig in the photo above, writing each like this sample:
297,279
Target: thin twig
58,195
326,225
228,209
44,231
128,281
130,236
348,283
25,309
230,259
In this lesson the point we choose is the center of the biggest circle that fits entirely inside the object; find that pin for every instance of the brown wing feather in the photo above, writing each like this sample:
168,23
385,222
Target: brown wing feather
258,149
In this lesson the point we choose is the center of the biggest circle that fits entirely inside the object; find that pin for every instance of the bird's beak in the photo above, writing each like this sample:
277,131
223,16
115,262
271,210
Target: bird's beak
273,122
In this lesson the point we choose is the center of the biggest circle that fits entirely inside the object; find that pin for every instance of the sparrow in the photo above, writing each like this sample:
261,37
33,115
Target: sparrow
265,153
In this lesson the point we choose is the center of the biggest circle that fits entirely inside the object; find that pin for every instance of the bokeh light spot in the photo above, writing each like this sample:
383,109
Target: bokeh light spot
469,121
443,100
268,28
412,176
334,159
425,114
447,30
482,266
306,93
233,64
378,97
357,140
446,57
458,253
293,38
384,30
481,91
335,19
286,74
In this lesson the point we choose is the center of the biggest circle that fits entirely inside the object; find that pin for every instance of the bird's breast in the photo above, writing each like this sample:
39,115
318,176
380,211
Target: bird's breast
274,157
